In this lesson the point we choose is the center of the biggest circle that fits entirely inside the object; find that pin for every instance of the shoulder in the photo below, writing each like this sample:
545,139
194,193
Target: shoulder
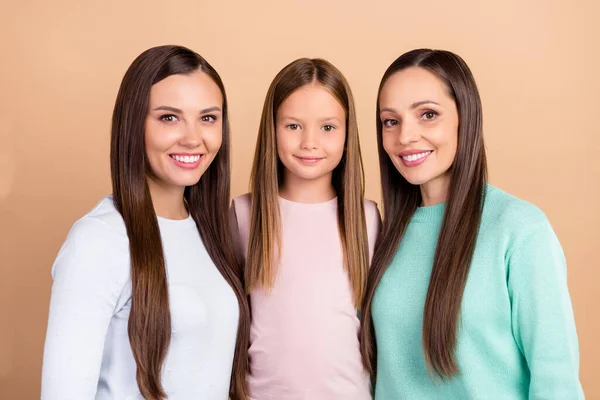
104,213
241,210
95,238
514,217
372,218
103,222
511,212
242,202
371,211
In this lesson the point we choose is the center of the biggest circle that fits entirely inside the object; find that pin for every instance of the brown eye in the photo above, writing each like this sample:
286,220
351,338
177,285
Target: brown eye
390,122
429,115
208,118
328,128
168,118
292,127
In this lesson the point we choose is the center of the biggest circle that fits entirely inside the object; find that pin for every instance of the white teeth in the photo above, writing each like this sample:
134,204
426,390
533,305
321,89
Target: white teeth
414,157
186,159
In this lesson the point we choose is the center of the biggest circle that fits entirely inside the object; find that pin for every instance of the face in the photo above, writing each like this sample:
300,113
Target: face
420,126
183,128
311,133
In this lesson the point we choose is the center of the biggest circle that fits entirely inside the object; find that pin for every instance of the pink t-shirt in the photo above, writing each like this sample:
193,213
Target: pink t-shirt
304,333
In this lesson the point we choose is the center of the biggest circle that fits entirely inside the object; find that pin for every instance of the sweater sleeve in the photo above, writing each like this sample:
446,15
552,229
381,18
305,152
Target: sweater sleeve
88,281
542,314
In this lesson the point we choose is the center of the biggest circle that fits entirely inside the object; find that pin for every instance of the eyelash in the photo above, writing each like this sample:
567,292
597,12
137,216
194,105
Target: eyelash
168,118
212,117
394,122
386,122
294,127
435,114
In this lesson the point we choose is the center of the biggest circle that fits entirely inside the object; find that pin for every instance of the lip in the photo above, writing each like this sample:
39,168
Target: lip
187,165
414,163
309,160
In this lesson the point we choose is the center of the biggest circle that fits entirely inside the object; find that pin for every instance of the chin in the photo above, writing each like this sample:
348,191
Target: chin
184,182
415,179
310,176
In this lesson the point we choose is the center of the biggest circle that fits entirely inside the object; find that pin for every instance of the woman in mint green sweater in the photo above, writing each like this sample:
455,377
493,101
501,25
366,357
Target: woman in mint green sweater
467,295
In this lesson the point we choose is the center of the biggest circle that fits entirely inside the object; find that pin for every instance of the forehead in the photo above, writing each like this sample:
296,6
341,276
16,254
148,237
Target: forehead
411,85
193,90
311,100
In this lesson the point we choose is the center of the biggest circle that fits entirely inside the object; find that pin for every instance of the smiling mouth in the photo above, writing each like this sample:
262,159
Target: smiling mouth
415,157
186,159
309,160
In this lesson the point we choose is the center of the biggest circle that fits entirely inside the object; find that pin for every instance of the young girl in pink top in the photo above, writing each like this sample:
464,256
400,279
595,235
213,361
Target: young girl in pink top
307,236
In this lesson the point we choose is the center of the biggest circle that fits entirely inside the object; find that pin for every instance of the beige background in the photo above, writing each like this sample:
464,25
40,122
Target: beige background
536,63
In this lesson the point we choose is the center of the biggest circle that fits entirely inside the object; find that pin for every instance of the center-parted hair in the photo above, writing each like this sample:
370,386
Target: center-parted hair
208,202
264,245
460,225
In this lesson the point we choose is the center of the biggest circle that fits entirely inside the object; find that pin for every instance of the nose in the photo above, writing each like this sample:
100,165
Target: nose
192,136
309,138
409,133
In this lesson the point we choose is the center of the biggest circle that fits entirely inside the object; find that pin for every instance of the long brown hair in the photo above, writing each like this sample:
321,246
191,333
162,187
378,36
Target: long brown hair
150,319
460,224
267,174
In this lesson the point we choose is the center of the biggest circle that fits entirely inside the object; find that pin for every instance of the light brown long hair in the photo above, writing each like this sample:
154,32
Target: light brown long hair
460,224
267,175
150,319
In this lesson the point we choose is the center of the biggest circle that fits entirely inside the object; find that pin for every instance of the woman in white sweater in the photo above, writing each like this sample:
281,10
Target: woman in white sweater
147,300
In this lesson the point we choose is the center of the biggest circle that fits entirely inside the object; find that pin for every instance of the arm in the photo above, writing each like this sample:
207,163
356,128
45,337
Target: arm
543,321
88,281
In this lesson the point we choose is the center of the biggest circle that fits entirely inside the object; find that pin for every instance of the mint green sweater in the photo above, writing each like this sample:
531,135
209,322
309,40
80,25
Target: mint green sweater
516,337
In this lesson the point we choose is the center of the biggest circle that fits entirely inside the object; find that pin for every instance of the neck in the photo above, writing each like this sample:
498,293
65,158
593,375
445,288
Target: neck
168,201
435,191
307,190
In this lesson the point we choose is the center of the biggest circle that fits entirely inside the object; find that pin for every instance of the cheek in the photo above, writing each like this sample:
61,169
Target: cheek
213,139
285,144
335,143
159,138
454,141
452,146
388,143
153,144
154,150
447,142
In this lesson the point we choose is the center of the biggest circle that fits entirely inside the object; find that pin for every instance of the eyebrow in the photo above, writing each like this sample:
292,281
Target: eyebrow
177,110
412,106
331,119
320,120
288,117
